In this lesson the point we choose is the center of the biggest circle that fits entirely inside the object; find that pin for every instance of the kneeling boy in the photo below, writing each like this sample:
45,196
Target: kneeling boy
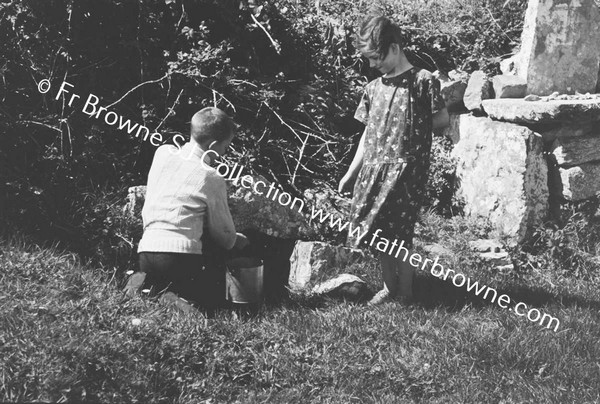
184,198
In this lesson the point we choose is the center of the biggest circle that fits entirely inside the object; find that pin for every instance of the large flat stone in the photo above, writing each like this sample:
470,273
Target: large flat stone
502,174
530,112
559,46
313,262
576,150
580,182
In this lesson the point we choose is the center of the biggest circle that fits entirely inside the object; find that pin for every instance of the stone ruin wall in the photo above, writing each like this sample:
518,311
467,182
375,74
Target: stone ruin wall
529,139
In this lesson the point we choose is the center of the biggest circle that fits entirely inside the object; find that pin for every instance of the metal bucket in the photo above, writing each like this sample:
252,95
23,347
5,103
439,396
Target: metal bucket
244,281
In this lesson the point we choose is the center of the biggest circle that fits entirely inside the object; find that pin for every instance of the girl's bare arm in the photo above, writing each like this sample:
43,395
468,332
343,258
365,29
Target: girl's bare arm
355,166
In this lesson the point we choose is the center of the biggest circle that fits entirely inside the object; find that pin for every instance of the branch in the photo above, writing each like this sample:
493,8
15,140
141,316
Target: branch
273,42
169,113
136,87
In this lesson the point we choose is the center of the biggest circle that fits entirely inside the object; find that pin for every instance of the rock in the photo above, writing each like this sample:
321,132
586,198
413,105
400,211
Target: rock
576,150
251,210
530,112
135,200
313,262
484,245
509,66
453,92
559,46
452,131
499,258
437,250
479,88
509,86
580,182
502,174
345,286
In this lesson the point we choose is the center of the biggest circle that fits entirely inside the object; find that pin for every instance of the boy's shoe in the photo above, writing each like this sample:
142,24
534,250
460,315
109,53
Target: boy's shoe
134,283
383,296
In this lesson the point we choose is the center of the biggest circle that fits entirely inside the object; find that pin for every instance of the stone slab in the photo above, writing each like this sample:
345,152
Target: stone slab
502,175
580,182
559,46
576,150
531,112
313,262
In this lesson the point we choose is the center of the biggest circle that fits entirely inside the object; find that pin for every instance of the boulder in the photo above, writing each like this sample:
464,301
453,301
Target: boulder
479,88
251,210
576,150
580,182
313,262
344,286
559,46
542,111
502,174
453,92
509,86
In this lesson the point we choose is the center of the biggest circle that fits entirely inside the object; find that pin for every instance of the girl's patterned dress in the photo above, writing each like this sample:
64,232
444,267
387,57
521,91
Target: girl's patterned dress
397,112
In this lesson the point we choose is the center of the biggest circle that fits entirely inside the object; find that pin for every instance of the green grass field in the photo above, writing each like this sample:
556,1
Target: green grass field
67,333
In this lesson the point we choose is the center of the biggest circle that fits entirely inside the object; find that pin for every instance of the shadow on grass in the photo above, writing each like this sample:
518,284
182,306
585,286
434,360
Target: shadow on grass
431,292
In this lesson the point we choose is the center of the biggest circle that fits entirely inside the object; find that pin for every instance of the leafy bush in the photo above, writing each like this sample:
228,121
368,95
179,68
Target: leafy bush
570,247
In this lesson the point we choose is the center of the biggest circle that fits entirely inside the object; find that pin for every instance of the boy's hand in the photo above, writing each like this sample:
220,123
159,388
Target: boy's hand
241,242
345,185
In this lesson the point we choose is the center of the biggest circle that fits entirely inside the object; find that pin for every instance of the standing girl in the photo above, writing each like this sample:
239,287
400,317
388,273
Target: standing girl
399,110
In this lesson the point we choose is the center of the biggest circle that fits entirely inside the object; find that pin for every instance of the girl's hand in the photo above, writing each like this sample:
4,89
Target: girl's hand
345,185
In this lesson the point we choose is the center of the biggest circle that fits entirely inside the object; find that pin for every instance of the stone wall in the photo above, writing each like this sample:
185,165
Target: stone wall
502,174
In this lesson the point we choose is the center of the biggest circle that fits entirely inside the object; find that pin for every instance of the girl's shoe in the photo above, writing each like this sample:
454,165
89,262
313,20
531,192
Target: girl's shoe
383,296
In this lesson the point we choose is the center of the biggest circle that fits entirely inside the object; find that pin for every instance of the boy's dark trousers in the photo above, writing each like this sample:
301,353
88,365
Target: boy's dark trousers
201,278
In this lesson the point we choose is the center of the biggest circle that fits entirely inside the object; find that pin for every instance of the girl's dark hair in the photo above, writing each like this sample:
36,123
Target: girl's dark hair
376,35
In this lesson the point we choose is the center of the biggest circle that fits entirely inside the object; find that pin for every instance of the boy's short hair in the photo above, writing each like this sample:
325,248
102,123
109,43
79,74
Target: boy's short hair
211,123
376,35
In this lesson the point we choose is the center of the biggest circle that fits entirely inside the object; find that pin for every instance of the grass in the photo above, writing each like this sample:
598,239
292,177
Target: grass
68,334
